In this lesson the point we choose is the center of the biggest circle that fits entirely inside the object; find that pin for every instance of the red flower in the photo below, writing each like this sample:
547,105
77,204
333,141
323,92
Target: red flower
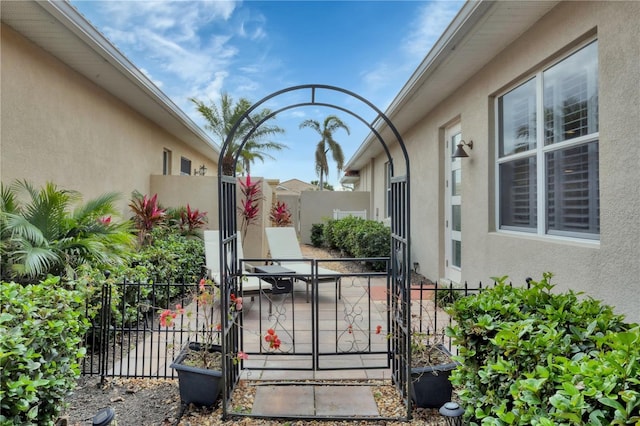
242,355
271,331
378,329
105,220
166,318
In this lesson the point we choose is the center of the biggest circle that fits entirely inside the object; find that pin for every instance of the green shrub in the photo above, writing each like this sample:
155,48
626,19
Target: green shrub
169,258
532,357
343,234
41,327
370,238
357,237
317,230
446,295
172,256
327,234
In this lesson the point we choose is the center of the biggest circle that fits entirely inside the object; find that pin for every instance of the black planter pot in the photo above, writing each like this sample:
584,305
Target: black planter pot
430,385
198,386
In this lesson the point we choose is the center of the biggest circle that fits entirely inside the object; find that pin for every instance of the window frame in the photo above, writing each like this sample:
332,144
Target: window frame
183,162
166,162
539,154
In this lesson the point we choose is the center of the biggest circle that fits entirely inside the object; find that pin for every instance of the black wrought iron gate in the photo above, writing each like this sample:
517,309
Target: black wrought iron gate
398,272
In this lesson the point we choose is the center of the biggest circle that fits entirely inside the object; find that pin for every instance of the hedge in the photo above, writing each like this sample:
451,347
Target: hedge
41,327
533,357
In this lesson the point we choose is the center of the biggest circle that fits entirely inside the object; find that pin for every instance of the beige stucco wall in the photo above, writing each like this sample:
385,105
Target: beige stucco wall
318,206
58,126
608,270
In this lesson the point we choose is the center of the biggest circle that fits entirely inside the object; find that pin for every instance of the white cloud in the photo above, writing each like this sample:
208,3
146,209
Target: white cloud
187,44
429,25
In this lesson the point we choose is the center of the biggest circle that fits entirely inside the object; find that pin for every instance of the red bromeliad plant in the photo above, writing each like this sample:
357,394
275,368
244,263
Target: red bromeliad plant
190,220
147,215
280,214
249,208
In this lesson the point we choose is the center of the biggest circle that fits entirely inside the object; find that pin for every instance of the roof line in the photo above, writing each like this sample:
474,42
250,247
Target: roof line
470,13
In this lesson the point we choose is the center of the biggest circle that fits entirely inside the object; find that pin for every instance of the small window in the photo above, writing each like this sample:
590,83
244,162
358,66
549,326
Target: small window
166,162
185,166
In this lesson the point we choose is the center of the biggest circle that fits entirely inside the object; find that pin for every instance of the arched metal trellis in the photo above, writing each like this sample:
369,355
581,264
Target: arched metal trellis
399,271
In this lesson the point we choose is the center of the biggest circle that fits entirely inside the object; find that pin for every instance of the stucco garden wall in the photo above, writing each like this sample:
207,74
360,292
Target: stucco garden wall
318,206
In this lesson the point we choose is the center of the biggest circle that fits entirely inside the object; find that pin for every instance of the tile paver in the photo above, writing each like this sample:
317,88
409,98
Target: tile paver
287,400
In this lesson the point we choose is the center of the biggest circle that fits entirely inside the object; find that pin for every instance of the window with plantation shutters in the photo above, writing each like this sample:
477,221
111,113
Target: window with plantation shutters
548,173
572,194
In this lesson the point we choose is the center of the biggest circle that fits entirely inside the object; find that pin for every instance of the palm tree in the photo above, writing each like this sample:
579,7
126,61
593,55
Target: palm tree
326,144
46,237
220,121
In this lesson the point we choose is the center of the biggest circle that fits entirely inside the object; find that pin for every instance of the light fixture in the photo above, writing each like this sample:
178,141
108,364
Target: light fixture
460,152
452,413
201,171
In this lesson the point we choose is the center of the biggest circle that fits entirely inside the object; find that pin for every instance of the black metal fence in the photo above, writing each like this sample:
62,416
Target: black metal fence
429,303
127,339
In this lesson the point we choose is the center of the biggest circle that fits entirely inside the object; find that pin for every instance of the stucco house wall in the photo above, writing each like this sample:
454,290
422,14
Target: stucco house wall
607,269
58,126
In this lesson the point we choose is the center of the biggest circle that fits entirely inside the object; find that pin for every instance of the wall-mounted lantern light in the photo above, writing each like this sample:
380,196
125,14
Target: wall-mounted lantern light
460,152
201,171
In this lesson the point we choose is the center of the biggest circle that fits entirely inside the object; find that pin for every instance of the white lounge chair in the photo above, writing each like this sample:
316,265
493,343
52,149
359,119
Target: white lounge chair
250,285
283,244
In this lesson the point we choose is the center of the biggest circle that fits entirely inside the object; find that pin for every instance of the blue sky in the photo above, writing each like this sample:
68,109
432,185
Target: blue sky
252,49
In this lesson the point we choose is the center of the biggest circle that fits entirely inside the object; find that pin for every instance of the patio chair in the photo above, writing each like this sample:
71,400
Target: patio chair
285,250
250,285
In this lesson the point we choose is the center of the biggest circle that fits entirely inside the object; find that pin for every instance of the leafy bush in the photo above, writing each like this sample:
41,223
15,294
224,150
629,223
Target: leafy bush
317,229
446,295
327,234
357,237
532,357
48,231
172,255
41,327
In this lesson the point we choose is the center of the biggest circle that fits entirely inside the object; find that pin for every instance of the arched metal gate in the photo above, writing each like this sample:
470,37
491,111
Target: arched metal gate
399,271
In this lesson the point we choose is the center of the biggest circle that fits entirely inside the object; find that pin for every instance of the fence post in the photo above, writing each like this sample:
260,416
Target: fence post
105,320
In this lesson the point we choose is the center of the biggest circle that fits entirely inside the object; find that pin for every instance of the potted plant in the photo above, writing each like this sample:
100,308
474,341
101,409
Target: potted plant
431,366
199,363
